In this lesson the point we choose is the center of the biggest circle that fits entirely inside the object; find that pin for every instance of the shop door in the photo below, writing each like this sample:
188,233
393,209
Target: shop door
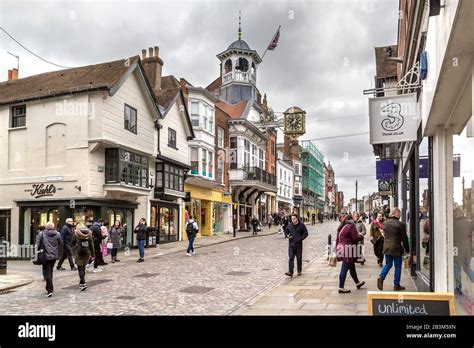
5,225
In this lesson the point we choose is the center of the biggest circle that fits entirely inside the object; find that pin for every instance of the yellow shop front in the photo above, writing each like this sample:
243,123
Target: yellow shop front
211,208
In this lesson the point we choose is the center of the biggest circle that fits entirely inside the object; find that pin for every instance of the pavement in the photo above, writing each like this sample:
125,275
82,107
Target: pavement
315,292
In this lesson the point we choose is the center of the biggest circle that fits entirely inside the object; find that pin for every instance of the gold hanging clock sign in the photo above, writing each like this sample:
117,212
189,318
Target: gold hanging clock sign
295,122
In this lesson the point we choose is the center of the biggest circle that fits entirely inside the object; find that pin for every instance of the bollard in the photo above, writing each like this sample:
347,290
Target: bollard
329,247
3,257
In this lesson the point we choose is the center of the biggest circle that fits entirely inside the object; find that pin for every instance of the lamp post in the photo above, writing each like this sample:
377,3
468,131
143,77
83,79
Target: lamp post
357,208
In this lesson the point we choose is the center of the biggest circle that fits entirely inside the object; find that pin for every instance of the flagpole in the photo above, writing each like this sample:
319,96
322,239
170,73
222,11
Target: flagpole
264,53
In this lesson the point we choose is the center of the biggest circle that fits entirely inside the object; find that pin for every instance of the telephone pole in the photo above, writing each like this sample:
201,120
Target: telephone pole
357,208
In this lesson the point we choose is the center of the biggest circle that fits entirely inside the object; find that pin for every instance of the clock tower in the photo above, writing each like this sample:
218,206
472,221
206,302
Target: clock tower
238,71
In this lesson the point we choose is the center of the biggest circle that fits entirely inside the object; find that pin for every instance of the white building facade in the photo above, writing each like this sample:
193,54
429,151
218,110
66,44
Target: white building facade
285,184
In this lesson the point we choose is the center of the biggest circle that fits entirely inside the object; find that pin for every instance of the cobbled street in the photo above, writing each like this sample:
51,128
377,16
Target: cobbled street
218,280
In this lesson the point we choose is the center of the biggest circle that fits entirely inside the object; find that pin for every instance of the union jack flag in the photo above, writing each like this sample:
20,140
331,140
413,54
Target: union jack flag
273,44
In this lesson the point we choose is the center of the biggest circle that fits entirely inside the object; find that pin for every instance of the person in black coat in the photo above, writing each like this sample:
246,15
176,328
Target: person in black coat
67,233
296,233
97,238
142,231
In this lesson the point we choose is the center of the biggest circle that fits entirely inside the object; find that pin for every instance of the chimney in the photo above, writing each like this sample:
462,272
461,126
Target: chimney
10,74
14,74
153,67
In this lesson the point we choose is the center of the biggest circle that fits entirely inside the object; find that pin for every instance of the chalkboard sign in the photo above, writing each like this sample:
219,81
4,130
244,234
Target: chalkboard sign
410,303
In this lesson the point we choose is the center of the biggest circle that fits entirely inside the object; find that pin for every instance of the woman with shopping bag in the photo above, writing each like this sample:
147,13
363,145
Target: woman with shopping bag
115,239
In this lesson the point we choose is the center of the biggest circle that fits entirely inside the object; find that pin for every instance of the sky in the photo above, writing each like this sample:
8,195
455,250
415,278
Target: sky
323,62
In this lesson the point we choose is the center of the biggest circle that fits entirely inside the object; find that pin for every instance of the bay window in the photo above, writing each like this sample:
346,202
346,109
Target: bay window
195,113
194,161
126,167
204,162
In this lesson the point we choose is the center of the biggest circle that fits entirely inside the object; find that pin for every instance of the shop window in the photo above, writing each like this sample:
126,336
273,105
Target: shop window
5,225
424,212
463,220
126,167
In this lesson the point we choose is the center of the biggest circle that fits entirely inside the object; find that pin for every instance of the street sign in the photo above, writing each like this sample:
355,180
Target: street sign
384,170
410,303
384,187
394,119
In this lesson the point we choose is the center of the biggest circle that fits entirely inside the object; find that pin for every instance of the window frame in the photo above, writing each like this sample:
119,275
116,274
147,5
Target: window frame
171,131
220,137
125,119
14,118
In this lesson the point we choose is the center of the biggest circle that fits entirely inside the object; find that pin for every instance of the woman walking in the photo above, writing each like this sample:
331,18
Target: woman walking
359,223
115,237
83,247
346,247
141,231
376,237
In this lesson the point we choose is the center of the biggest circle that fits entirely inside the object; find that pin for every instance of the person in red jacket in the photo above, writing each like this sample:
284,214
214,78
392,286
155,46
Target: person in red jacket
346,251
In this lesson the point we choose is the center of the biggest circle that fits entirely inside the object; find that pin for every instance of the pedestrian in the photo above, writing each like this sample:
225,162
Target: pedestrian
141,230
52,242
346,251
284,224
83,251
359,223
97,238
255,223
394,246
307,216
376,237
192,228
320,218
247,222
115,237
270,220
104,230
313,219
67,233
296,232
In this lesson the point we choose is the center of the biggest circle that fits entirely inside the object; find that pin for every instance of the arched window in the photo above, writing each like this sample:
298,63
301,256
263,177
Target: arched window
242,65
227,66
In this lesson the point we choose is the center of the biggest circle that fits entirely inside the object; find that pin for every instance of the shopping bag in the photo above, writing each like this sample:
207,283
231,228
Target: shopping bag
104,250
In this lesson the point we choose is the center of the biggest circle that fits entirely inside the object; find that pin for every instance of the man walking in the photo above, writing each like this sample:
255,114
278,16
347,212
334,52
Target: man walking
296,233
192,229
394,245
313,219
52,241
67,233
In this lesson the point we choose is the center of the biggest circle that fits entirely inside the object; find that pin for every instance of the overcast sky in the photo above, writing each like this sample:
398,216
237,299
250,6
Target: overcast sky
324,59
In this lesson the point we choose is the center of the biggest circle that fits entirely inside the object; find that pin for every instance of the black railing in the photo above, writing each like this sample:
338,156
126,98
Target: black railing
256,173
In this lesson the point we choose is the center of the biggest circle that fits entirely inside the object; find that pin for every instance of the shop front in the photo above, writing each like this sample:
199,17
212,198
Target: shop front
165,221
211,209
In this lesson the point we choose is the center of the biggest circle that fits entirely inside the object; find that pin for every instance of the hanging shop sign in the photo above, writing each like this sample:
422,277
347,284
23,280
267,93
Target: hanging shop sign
410,303
384,170
43,190
384,187
394,119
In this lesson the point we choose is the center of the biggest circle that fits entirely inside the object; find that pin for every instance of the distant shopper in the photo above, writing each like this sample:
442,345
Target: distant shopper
296,232
255,224
313,219
97,238
284,224
52,242
141,231
359,223
394,245
115,237
270,220
376,237
346,251
83,251
67,233
192,228
307,216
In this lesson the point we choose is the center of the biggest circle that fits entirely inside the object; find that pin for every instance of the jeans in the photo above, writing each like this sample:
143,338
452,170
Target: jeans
342,276
82,274
298,252
378,250
48,267
389,260
190,246
114,252
141,248
67,253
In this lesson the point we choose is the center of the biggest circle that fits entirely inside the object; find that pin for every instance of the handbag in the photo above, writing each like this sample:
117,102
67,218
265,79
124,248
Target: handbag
110,245
104,250
39,258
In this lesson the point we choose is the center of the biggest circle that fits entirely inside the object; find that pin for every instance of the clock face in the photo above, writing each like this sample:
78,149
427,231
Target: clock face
294,123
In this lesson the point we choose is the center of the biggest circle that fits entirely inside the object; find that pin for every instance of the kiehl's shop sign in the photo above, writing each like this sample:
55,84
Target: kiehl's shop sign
43,190
410,303
394,119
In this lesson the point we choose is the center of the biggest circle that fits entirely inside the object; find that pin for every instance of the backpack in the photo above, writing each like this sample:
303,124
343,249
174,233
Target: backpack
190,229
83,247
